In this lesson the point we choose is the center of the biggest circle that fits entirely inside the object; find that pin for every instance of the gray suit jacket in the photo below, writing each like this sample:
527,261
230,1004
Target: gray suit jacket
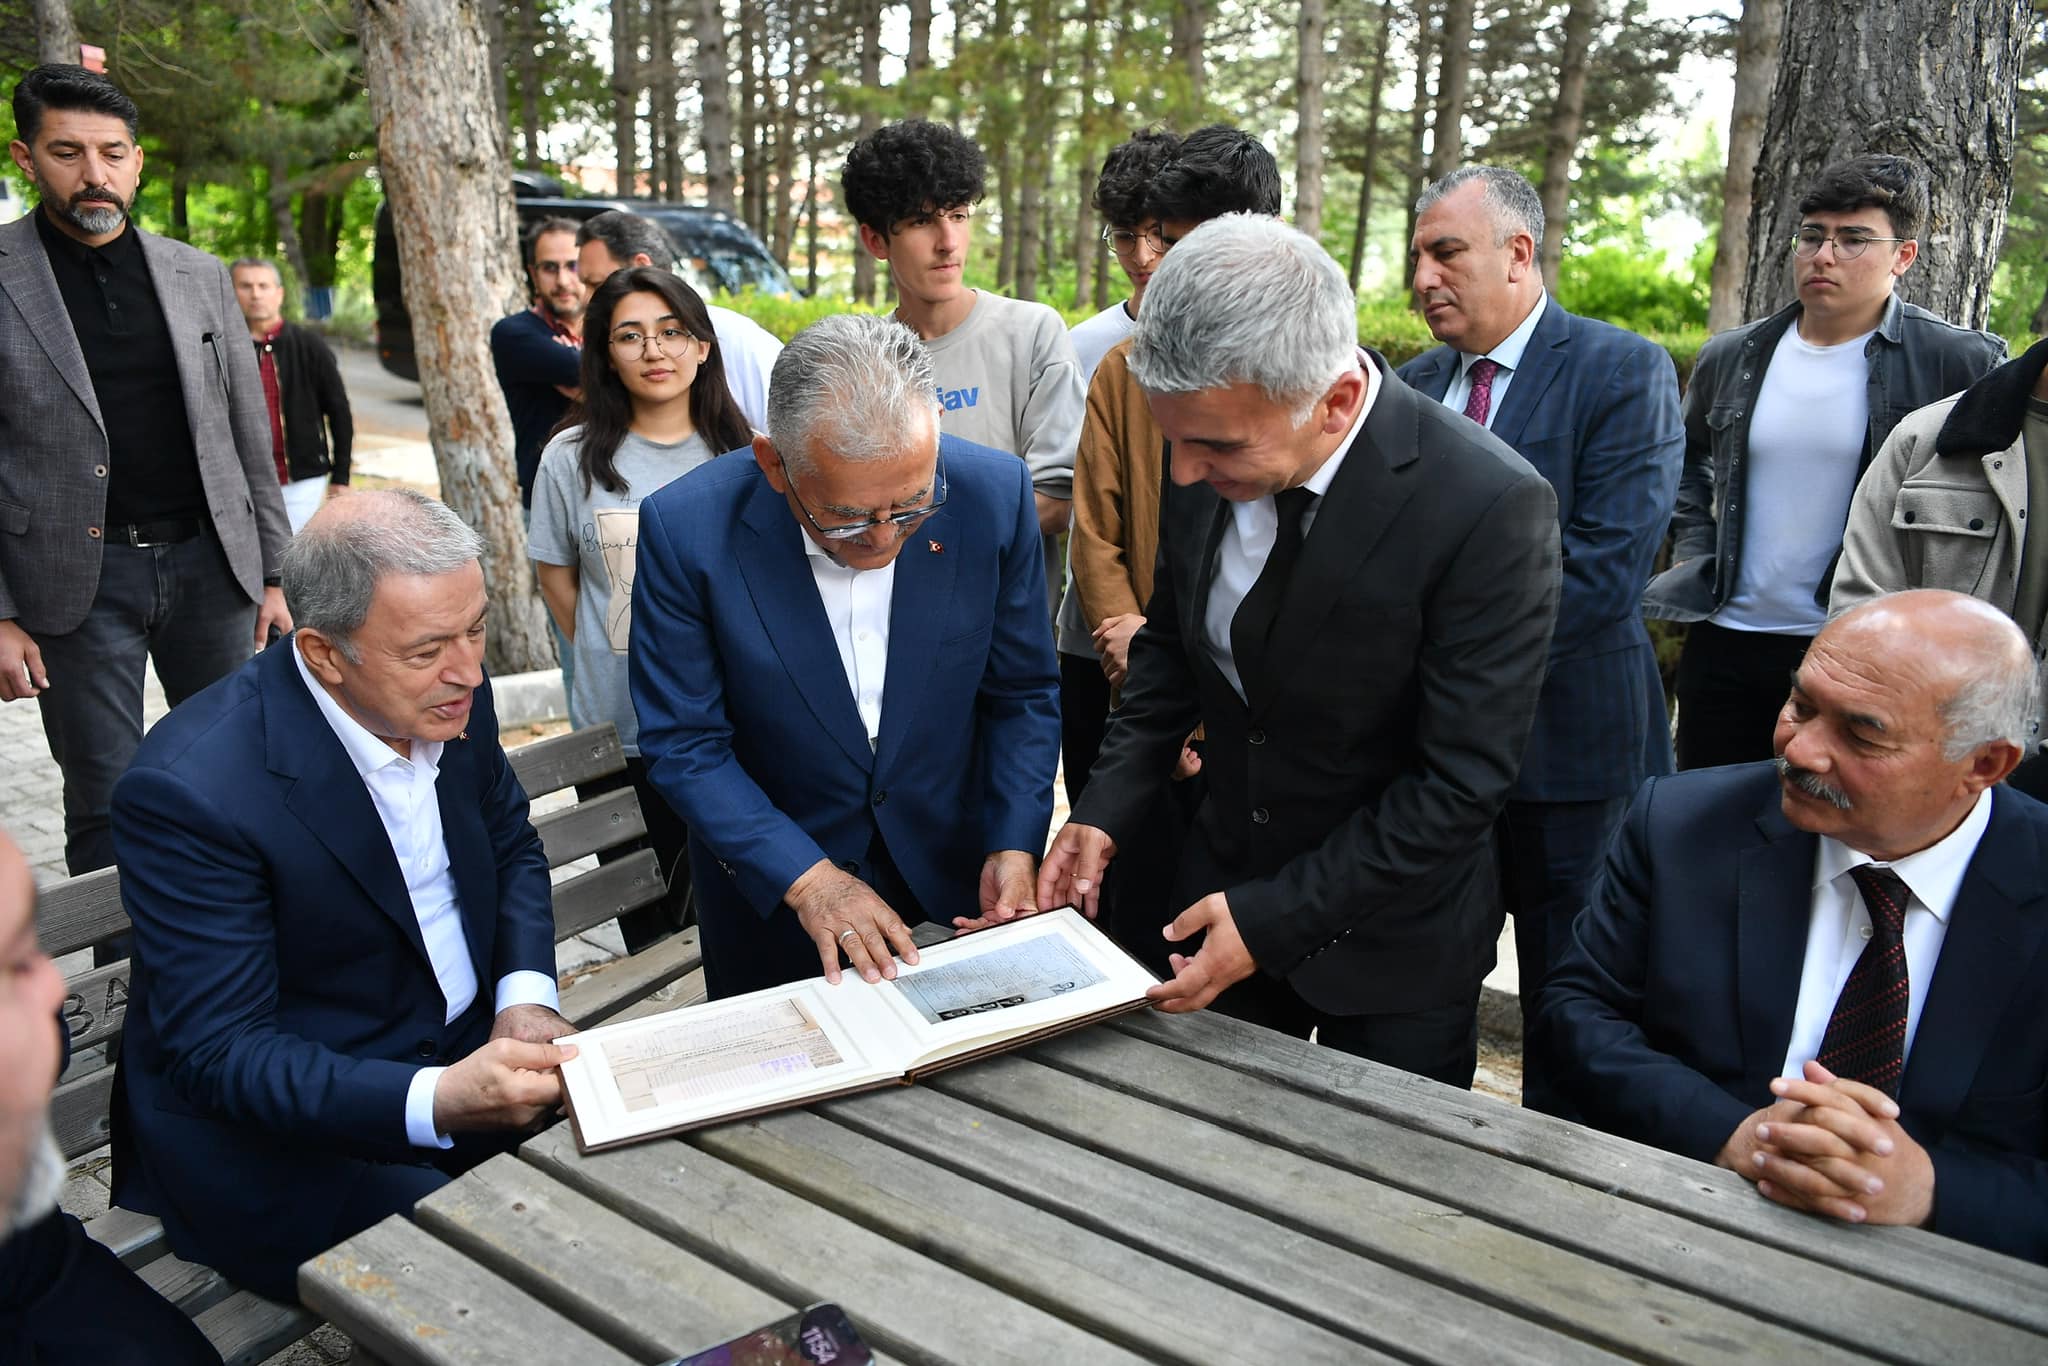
53,441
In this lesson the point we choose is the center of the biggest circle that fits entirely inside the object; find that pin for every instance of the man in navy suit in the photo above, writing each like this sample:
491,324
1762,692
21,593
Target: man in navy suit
1595,410
344,945
843,670
1826,974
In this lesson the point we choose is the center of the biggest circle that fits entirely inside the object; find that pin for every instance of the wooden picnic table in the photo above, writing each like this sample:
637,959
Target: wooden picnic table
1184,1189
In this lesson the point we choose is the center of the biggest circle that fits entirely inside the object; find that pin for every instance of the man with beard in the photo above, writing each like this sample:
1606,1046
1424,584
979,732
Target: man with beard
138,495
538,351
63,1297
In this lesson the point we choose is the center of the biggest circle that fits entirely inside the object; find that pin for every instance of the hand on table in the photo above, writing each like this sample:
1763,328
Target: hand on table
1072,872
530,1024
842,914
506,1084
1221,961
1843,1153
1008,887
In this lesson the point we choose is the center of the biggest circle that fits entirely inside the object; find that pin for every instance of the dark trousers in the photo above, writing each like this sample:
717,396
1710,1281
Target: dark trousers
668,837
67,1301
1731,686
1551,854
1441,1043
1084,715
177,605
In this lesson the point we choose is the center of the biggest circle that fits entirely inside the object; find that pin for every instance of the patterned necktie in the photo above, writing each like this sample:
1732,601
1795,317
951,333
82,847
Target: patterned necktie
1866,1038
1255,615
1479,402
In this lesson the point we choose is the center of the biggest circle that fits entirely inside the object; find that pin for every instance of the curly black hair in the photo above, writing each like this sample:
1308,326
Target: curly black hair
905,169
1123,192
1218,170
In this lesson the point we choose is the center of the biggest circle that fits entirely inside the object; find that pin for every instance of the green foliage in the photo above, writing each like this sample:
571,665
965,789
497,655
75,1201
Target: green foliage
1629,285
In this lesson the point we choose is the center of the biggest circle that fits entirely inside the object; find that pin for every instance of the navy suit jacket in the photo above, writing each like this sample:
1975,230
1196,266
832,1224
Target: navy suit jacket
1595,410
750,731
1672,1008
282,998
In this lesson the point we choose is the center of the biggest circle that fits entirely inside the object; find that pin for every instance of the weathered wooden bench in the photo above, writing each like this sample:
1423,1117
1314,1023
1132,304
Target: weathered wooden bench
83,911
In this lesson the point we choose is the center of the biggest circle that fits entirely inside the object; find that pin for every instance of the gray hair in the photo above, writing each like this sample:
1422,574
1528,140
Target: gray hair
251,262
1510,200
332,568
1245,299
1999,701
867,374
626,235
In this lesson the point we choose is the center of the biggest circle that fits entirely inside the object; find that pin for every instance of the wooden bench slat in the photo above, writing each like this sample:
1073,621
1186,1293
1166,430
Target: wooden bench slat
1723,1273
594,996
96,1005
1233,1246
79,1113
1975,1278
137,1239
560,761
190,1286
800,1254
407,1296
1099,1283
607,892
603,822
79,912
687,990
246,1328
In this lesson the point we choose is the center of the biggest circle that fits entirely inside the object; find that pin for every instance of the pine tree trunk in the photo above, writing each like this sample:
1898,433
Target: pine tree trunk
919,57
664,154
749,112
446,175
1860,79
181,203
279,194
1308,127
871,81
1040,39
319,236
493,15
527,61
1370,172
1757,41
1454,78
714,88
1561,139
625,86
1087,246
1418,116
1190,24
56,33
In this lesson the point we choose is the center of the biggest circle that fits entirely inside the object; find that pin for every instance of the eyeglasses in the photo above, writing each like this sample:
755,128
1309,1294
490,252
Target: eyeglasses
1807,242
672,341
898,519
1126,240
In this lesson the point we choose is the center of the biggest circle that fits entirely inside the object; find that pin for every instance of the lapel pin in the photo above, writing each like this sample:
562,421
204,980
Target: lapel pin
462,735
937,549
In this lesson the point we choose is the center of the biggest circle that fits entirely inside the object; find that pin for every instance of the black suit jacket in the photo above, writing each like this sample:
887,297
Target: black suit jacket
1672,1008
1350,800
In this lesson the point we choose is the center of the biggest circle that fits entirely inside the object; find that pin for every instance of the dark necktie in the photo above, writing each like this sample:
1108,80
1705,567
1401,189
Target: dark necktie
1254,618
1866,1038
1479,402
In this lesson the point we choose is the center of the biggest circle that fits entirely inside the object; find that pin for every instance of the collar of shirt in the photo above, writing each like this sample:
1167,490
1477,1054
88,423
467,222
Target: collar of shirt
1933,875
276,331
55,239
365,751
1508,355
556,325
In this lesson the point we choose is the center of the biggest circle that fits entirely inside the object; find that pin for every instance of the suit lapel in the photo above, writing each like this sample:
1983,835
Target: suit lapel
328,795
469,853
1774,903
26,278
920,611
1542,362
1432,373
1994,933
778,573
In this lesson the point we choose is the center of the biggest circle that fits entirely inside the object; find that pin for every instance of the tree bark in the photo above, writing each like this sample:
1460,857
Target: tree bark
493,15
447,178
1308,126
1190,23
1561,138
749,115
1040,38
1861,79
1087,246
665,159
625,85
870,120
714,85
1454,76
527,62
56,33
918,59
1370,172
1758,39
1418,114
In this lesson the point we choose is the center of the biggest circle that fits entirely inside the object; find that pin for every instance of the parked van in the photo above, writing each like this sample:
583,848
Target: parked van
714,251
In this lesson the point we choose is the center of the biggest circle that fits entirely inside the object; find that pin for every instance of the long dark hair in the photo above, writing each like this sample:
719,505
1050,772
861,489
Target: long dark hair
607,408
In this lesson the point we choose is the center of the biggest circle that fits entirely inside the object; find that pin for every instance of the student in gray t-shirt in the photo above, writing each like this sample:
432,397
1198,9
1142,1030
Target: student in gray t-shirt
655,406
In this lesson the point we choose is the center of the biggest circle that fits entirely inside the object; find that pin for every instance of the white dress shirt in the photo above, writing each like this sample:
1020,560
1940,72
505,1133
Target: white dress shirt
1508,356
1248,541
857,606
402,791
1840,927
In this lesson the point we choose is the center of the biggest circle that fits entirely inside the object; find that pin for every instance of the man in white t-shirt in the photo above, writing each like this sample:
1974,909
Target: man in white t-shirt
1006,370
1782,417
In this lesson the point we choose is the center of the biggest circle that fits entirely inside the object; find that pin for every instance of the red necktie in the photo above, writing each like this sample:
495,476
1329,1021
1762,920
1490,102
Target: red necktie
1866,1038
1479,402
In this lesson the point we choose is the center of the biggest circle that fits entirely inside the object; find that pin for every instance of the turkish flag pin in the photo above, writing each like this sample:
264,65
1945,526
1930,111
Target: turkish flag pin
937,549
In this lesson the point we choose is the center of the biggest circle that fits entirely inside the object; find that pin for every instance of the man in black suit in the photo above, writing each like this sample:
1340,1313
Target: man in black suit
1355,595
1826,973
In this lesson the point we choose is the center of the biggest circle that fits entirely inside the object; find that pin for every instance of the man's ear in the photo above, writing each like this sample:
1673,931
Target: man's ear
321,655
766,456
1991,764
877,243
1909,252
1521,255
22,157
640,258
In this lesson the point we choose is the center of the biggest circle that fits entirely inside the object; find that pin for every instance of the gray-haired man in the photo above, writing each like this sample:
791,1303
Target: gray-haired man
843,669
1355,596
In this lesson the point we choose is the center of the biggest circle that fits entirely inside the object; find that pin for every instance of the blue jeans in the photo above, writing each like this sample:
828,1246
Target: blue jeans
178,605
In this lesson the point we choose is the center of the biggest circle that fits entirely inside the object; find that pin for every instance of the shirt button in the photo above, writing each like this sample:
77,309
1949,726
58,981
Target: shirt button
1867,931
93,532
99,471
426,1048
1259,815
881,797
1256,737
860,635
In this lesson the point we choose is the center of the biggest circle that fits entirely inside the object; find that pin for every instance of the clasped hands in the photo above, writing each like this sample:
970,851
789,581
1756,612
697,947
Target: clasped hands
512,1081
842,914
1835,1147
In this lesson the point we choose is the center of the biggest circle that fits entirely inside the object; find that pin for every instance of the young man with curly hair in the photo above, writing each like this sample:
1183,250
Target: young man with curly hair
1006,370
